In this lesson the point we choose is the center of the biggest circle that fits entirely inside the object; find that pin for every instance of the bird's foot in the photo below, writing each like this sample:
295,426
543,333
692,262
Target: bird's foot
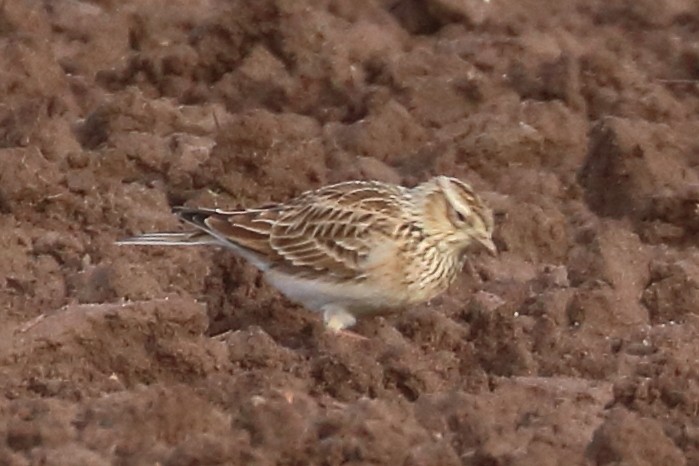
338,320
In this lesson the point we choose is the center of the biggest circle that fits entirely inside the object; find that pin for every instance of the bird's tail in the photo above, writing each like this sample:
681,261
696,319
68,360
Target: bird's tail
185,238
248,234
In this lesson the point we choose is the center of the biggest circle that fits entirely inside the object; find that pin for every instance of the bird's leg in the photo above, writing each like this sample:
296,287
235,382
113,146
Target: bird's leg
337,320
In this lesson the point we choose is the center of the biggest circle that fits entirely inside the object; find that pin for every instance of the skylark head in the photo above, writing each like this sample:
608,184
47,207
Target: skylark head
455,214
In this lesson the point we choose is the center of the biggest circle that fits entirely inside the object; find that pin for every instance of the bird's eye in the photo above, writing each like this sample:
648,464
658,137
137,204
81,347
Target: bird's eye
460,216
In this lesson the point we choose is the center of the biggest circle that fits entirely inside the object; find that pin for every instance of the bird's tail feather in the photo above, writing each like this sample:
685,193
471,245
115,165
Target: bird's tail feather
186,238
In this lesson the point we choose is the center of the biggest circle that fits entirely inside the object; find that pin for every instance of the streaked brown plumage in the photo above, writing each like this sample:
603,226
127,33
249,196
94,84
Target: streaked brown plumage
352,248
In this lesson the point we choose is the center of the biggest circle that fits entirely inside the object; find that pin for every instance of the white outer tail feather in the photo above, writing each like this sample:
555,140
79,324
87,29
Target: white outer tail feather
185,238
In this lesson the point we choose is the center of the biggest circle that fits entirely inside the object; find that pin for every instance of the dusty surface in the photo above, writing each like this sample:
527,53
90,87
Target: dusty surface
577,120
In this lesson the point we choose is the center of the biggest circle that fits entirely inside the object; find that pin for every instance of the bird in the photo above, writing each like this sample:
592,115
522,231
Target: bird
351,249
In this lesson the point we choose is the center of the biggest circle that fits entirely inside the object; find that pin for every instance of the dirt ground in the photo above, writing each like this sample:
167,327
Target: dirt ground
576,119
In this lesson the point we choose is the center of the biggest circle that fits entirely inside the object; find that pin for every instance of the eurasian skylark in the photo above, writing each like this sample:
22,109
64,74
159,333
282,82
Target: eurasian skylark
350,249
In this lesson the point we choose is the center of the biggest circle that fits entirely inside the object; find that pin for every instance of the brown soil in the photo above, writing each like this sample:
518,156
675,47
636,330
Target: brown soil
576,120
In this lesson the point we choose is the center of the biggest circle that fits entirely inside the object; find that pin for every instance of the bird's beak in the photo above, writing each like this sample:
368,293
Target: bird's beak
489,245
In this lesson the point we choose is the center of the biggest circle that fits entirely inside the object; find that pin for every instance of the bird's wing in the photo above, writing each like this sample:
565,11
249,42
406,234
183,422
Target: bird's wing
319,241
326,232
333,231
